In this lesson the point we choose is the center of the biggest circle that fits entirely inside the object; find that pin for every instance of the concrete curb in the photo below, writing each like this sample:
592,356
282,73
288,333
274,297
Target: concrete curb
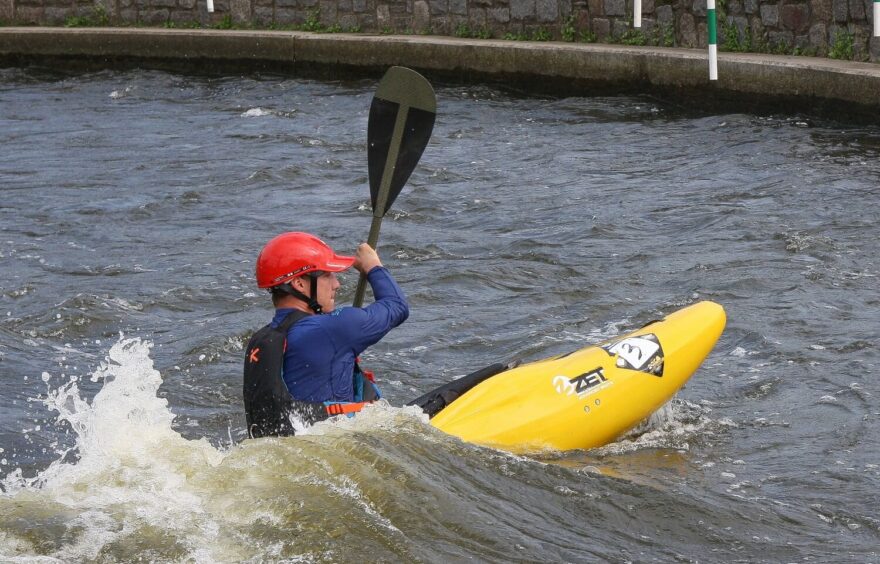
805,79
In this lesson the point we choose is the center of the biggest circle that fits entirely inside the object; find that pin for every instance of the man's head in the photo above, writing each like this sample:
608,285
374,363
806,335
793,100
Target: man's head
327,285
299,267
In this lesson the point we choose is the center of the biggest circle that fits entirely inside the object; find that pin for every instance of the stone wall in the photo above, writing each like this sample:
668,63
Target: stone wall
841,28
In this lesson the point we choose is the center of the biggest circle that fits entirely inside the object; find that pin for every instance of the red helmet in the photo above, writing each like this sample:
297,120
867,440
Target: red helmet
294,254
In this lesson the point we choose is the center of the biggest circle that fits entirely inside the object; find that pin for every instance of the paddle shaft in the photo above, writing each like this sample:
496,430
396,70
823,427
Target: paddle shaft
382,199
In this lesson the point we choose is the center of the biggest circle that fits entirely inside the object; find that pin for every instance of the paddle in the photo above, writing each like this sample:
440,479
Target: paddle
400,124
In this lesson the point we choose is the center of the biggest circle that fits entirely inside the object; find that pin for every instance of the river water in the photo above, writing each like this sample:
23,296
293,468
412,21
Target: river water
134,204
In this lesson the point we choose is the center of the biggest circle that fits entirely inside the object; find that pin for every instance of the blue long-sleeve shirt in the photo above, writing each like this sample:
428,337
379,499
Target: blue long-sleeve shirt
321,349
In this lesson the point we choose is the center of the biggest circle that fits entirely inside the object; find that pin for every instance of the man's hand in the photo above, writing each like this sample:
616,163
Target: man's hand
366,258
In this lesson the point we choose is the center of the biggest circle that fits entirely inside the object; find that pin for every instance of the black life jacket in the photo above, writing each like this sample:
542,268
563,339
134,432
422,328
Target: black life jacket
268,406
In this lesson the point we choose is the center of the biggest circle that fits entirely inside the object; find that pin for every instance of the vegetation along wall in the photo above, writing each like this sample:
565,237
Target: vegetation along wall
836,28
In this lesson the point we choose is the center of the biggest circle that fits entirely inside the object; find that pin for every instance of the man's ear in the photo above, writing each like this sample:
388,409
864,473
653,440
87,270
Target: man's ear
299,284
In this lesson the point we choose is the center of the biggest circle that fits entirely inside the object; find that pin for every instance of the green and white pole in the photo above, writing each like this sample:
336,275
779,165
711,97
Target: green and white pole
637,13
713,40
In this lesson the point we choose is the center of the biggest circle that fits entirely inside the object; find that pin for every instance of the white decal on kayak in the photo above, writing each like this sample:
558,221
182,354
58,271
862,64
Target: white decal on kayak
563,385
583,385
642,353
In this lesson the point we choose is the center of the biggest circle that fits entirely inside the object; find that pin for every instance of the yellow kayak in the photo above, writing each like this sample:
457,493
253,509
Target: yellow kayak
587,398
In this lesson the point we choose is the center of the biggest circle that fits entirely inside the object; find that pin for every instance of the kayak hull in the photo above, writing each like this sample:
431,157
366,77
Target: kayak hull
590,397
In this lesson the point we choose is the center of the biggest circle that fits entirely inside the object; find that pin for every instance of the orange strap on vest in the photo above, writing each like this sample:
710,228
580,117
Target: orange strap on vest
344,408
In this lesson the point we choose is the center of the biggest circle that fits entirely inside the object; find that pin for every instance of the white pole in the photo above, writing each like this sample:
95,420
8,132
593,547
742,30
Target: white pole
210,6
713,39
876,18
637,13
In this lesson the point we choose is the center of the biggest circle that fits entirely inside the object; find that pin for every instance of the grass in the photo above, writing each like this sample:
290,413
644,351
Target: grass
634,37
668,33
98,18
571,34
569,31
463,30
183,25
225,23
313,22
732,38
843,47
733,42
588,37
541,34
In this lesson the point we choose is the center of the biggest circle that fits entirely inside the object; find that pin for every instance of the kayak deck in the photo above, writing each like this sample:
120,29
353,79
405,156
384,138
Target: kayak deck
587,398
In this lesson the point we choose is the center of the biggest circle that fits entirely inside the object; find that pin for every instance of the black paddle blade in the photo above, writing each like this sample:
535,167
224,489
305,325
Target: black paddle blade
401,121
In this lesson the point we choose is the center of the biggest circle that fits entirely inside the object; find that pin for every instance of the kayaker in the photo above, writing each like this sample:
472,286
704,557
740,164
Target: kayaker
322,342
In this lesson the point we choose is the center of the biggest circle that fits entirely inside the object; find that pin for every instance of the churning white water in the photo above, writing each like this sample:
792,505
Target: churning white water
131,482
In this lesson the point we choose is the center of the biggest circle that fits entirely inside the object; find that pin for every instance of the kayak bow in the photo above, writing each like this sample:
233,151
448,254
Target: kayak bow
587,398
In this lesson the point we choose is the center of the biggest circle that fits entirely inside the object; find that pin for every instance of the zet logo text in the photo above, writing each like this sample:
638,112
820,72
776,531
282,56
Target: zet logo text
583,385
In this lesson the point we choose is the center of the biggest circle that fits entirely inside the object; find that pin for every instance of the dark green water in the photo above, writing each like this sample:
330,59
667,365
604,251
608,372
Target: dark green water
135,203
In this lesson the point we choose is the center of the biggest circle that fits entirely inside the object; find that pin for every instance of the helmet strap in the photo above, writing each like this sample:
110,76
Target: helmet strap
311,301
